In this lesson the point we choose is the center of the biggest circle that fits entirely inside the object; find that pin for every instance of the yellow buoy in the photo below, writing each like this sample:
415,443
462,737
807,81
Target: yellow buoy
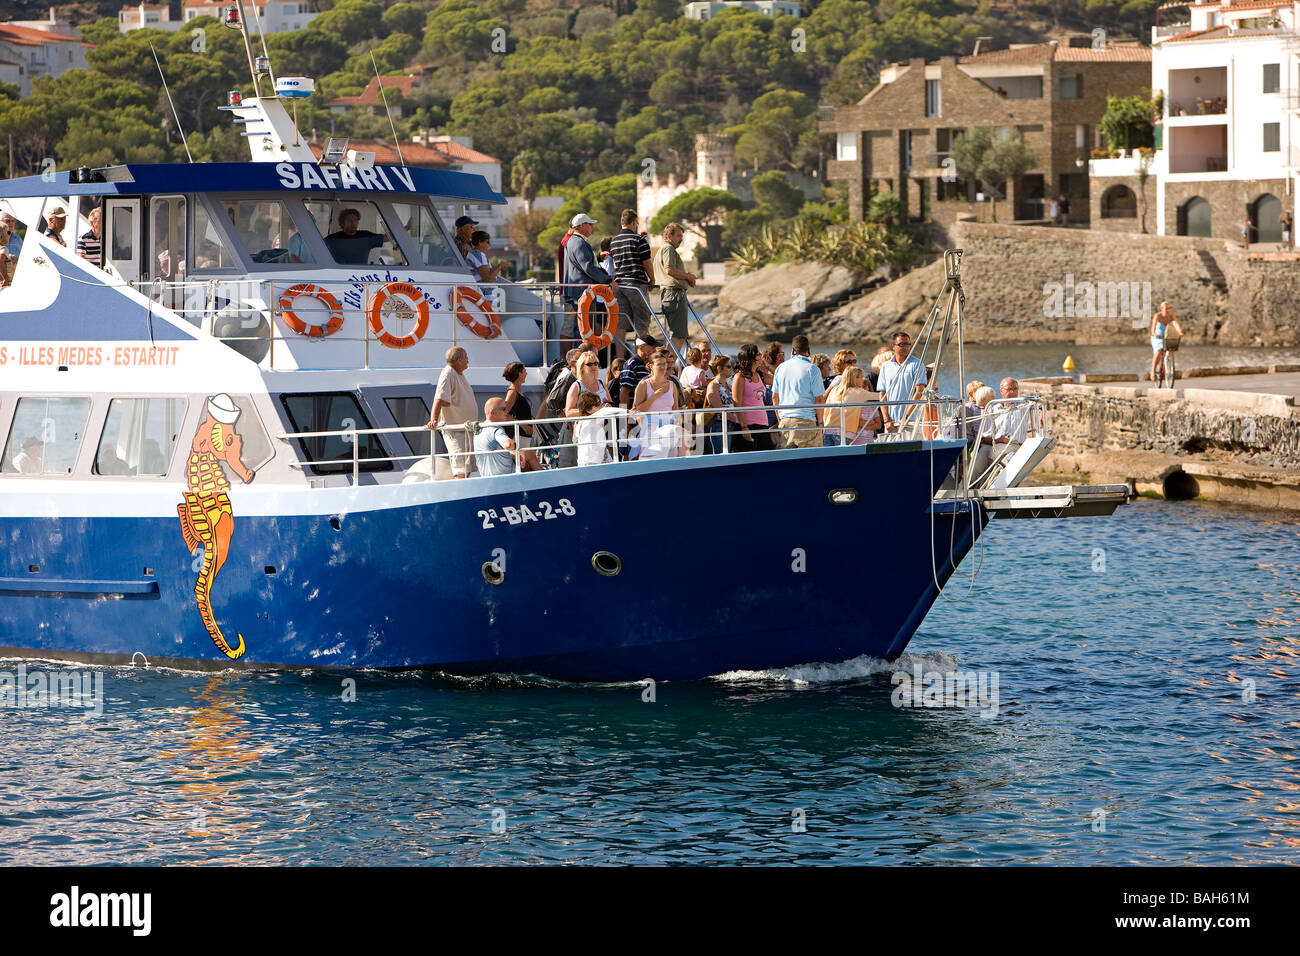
1068,365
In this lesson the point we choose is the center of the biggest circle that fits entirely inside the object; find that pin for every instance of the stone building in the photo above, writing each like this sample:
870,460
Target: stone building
1229,146
899,136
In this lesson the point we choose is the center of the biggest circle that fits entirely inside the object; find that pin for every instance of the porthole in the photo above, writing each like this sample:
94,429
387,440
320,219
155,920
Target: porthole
606,563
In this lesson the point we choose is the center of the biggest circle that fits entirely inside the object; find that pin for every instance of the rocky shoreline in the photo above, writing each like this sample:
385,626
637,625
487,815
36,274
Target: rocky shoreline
1032,284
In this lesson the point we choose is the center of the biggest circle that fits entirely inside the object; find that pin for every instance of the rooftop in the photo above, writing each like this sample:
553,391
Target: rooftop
26,36
1060,53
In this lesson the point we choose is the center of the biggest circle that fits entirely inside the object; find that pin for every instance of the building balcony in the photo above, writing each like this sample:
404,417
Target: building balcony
1169,30
1121,166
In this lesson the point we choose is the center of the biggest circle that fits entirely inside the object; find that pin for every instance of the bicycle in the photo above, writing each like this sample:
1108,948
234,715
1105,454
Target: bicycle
1167,369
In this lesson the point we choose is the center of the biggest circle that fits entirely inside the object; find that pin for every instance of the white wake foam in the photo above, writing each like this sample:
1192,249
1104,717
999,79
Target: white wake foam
854,669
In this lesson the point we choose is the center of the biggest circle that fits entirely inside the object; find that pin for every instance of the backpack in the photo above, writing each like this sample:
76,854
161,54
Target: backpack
551,433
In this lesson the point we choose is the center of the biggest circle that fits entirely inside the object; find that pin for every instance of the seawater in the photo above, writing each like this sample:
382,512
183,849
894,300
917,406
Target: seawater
1148,671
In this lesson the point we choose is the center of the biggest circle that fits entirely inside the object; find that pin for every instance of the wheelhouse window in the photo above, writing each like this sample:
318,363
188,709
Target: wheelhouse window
410,412
210,252
167,215
356,234
139,436
263,226
333,411
421,224
45,436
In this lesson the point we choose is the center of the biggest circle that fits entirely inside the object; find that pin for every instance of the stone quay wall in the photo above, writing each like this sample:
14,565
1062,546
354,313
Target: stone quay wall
1242,447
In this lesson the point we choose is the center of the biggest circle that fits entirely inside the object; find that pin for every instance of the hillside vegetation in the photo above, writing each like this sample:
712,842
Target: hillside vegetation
586,90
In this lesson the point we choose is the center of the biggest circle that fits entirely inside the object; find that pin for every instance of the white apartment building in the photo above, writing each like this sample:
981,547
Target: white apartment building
152,16
1229,144
27,52
769,8
277,16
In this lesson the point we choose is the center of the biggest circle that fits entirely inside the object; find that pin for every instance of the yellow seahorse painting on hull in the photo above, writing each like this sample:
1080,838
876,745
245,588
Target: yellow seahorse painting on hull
206,516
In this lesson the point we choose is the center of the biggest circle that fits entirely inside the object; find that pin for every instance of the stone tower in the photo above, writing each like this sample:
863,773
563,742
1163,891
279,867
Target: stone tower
715,157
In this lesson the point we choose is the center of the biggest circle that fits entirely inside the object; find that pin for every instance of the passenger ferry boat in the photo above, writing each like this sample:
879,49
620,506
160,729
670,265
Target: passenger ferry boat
214,455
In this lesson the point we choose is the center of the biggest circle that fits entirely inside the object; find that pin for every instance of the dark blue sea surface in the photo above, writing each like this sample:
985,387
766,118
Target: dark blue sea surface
1127,730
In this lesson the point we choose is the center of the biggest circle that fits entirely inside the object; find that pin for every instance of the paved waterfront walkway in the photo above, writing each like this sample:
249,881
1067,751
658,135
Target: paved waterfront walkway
1277,383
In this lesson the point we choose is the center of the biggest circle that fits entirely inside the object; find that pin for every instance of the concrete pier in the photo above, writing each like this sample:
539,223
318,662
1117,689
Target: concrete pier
1216,435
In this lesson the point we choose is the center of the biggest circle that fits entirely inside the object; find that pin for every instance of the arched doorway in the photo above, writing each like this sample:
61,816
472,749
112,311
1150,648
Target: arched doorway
1264,212
1194,217
1119,202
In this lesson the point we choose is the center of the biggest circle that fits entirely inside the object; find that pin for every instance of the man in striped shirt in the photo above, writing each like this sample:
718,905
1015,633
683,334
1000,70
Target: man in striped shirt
632,268
90,246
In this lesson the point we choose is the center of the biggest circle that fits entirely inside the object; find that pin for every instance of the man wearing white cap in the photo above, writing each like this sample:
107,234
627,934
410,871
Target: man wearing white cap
580,268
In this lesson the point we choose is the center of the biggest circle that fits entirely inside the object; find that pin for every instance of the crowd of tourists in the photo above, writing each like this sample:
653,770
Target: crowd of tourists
648,405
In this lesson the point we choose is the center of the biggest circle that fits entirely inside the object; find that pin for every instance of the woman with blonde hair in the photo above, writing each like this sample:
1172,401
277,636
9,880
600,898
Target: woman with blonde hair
656,396
850,426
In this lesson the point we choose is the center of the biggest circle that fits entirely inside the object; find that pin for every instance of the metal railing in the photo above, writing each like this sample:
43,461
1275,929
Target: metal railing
631,436
245,312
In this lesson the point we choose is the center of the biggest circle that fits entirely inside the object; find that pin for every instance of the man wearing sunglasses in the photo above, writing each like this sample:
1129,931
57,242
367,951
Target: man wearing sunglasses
901,378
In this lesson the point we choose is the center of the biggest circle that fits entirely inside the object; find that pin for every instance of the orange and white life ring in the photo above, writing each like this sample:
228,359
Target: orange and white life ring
486,324
605,294
333,322
930,421
418,302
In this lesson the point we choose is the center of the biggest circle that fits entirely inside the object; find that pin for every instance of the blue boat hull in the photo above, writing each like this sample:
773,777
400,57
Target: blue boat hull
727,563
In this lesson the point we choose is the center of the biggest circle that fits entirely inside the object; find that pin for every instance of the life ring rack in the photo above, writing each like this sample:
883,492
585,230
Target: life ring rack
487,325
590,295
332,324
375,314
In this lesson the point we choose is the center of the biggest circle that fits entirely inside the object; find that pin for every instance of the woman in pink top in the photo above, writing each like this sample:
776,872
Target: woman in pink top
747,390
661,434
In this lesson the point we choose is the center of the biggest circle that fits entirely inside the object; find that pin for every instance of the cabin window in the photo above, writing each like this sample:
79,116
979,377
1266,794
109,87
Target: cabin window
422,225
264,226
409,413
210,251
356,234
333,411
167,231
139,436
45,436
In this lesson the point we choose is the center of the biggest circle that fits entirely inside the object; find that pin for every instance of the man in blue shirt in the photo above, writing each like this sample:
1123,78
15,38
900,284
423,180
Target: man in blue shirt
796,391
901,379
580,269
494,449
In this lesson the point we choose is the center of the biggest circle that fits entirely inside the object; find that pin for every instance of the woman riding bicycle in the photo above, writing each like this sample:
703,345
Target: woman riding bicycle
1160,322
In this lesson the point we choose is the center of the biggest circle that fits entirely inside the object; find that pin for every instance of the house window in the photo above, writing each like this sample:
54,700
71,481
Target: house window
1272,137
1081,136
1071,86
931,97
846,147
1272,81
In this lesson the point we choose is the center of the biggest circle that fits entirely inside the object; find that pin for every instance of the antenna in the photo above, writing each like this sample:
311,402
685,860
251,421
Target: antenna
265,55
180,132
383,99
248,50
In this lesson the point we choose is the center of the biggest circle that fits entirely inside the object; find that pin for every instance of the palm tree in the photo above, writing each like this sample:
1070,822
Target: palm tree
525,177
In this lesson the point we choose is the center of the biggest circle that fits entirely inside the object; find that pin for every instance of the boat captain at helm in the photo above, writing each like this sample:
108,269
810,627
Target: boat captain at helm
351,245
